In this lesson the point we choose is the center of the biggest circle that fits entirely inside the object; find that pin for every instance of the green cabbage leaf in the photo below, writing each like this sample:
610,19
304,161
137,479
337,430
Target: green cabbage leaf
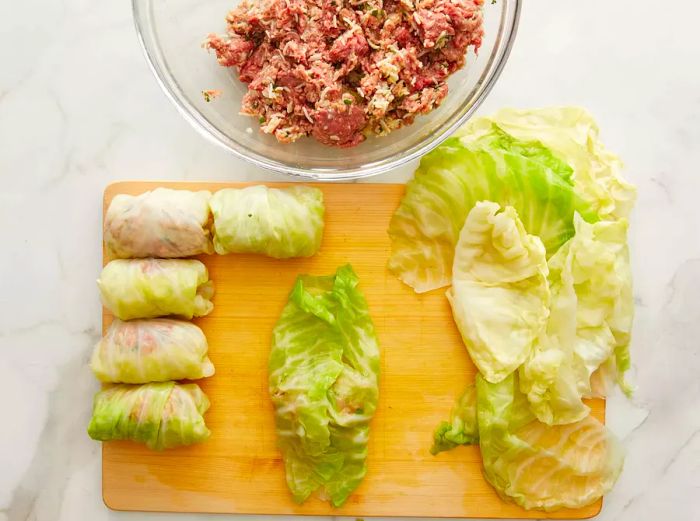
462,428
153,350
572,134
454,177
539,466
589,325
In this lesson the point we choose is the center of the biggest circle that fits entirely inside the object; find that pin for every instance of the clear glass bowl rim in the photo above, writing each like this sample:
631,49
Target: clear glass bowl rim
507,32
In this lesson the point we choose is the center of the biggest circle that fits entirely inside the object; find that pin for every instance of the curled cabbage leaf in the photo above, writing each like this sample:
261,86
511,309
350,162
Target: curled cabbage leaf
279,223
499,294
323,382
462,429
146,288
458,174
161,223
154,350
589,325
162,415
539,466
602,279
548,375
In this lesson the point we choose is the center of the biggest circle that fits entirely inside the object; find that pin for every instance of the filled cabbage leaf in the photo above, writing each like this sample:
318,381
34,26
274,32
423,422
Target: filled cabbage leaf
323,382
536,465
280,223
154,350
499,294
147,288
162,415
161,223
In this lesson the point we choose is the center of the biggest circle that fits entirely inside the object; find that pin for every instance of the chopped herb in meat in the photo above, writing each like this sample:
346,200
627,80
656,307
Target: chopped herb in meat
339,70
210,94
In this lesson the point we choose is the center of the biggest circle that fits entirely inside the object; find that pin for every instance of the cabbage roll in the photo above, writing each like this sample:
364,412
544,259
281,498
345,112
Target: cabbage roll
155,350
161,223
146,288
161,415
279,223
324,385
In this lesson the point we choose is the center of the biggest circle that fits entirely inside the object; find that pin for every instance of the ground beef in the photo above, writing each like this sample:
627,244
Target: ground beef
339,70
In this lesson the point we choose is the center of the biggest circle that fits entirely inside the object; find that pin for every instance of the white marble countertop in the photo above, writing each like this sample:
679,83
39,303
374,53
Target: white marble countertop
80,109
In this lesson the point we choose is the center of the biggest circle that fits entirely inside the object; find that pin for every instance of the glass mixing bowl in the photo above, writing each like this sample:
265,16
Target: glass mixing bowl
172,32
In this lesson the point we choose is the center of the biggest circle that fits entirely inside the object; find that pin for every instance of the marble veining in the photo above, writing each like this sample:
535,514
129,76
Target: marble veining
80,109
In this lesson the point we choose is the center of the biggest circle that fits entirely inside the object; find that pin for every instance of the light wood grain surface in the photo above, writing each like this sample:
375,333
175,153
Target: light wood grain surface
424,367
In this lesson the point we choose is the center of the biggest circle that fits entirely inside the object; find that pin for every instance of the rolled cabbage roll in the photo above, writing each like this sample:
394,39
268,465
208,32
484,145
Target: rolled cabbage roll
161,223
324,376
162,415
146,288
153,350
279,223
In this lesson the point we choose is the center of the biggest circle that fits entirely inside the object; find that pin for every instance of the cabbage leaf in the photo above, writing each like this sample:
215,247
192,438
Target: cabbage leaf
499,294
589,325
540,466
153,350
458,174
147,288
572,134
462,428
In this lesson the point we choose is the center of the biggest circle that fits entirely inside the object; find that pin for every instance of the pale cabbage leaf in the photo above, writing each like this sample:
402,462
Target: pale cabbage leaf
462,428
499,295
539,466
589,325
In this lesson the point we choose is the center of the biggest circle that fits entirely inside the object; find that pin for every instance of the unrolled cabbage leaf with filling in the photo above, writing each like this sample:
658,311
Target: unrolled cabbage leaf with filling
572,134
323,382
279,223
147,288
454,177
499,294
536,465
162,415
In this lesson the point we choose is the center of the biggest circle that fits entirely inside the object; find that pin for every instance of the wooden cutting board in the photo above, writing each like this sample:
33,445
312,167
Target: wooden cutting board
424,367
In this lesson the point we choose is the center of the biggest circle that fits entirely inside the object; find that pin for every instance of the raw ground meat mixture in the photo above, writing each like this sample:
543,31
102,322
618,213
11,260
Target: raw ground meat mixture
339,70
